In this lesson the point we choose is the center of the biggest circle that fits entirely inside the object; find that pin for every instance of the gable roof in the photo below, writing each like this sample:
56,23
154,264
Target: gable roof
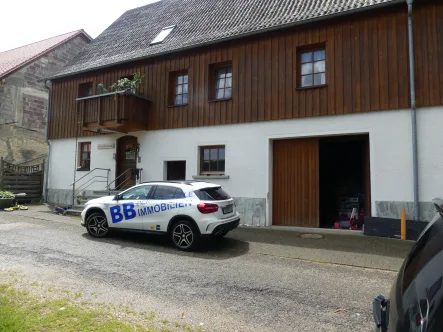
16,58
201,22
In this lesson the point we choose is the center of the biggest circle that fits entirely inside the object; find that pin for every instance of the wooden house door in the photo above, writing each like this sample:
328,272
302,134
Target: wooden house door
295,194
126,160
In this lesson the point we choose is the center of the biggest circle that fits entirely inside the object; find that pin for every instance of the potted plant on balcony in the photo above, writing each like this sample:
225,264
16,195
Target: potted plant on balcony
6,199
124,84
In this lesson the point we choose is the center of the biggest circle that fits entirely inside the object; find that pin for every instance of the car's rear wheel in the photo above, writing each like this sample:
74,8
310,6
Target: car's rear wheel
184,235
97,225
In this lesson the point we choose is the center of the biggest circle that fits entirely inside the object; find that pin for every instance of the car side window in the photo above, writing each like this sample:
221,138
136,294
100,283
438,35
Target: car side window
137,193
167,192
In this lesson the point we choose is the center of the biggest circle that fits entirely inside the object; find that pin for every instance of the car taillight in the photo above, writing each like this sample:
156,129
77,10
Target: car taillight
207,208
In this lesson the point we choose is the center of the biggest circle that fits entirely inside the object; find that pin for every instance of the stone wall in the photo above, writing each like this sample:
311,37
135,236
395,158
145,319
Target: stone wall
386,209
24,99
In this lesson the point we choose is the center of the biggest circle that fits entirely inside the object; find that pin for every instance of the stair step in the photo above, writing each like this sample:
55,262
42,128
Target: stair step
74,212
101,193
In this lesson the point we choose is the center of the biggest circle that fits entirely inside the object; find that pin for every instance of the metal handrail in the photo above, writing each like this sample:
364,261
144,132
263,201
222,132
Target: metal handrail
85,185
78,190
124,182
103,169
118,177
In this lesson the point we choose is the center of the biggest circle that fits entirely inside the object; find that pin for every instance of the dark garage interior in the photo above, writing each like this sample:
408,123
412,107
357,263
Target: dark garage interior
344,178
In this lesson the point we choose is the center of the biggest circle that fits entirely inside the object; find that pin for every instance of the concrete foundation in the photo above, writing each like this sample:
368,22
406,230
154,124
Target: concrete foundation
386,209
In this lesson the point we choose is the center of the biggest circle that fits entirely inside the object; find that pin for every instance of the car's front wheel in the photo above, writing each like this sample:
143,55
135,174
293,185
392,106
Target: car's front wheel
184,235
97,225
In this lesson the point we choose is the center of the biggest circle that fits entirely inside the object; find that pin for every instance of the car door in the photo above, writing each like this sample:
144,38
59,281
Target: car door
126,211
165,202
420,288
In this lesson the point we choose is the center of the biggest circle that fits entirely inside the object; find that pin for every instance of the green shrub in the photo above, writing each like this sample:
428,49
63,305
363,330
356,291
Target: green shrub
6,194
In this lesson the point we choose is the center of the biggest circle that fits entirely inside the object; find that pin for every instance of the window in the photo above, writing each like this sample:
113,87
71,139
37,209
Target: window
85,90
212,160
221,81
211,194
168,192
85,156
313,67
178,94
137,193
162,35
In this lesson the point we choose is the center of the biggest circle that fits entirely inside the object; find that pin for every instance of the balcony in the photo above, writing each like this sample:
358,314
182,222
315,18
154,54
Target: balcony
113,112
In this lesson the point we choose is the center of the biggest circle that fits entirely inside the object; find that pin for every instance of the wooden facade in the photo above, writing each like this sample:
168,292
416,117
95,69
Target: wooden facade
366,70
295,193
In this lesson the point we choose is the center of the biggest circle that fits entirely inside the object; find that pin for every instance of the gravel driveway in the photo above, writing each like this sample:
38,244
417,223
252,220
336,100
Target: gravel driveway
226,286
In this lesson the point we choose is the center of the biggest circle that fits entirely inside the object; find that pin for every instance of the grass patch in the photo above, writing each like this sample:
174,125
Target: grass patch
20,311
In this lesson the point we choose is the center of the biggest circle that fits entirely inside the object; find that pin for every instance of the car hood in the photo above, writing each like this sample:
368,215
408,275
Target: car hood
100,200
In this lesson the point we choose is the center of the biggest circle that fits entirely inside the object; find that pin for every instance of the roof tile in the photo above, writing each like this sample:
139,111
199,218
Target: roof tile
198,22
17,57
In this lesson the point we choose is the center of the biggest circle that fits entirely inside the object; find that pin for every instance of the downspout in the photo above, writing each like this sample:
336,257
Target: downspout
413,111
47,142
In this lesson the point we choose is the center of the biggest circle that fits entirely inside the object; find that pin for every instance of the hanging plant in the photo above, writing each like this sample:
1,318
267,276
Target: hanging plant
123,84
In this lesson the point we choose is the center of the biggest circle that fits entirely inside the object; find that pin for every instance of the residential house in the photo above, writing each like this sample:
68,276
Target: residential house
24,95
289,105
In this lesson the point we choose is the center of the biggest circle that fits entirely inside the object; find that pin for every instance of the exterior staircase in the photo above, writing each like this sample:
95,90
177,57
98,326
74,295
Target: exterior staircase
77,209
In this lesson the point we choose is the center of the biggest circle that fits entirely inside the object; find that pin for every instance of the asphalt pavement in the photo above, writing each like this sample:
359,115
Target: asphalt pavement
253,280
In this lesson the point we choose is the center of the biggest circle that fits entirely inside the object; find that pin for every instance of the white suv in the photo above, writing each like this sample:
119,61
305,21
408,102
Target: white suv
185,210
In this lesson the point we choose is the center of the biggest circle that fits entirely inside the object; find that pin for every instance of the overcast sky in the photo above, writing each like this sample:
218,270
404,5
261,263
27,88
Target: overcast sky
27,21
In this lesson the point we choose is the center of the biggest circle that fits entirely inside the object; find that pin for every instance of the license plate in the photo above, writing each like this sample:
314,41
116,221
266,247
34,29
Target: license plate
227,209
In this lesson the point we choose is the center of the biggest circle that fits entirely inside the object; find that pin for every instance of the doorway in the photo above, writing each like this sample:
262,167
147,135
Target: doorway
344,178
126,159
176,170
316,180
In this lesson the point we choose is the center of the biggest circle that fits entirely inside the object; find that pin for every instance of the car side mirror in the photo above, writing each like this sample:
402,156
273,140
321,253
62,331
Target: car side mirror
380,310
116,197
439,209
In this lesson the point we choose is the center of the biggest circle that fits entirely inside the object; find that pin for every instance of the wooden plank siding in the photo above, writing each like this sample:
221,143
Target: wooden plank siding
366,70
295,193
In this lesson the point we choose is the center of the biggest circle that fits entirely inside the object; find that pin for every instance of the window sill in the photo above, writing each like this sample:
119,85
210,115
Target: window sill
216,100
312,87
178,105
83,169
209,176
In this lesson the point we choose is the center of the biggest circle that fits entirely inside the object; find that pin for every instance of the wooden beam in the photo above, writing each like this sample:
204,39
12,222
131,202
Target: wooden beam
100,120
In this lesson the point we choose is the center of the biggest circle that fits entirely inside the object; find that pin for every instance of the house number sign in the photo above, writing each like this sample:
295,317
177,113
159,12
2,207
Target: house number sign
106,146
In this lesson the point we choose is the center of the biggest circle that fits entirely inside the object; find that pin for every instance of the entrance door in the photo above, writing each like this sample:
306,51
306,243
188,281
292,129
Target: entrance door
176,170
295,185
126,160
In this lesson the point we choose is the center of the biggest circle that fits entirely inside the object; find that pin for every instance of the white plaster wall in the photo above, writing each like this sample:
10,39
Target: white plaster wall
248,152
62,162
430,152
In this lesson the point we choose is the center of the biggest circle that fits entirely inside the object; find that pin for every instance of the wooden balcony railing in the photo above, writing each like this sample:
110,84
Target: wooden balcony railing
117,111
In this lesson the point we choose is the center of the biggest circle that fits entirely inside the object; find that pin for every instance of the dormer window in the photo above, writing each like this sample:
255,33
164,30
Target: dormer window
162,35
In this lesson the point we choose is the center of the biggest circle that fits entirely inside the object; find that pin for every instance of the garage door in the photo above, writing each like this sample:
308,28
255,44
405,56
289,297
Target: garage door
295,195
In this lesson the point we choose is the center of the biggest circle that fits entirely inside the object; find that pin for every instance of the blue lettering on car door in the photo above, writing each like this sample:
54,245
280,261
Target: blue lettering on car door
128,212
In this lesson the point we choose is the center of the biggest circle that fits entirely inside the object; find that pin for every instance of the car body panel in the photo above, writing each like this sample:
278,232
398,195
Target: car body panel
416,297
154,212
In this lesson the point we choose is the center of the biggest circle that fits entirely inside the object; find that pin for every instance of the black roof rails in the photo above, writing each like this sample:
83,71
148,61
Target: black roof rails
182,182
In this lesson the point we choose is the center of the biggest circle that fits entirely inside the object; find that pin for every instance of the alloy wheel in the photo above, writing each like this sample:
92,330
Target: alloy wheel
98,226
183,236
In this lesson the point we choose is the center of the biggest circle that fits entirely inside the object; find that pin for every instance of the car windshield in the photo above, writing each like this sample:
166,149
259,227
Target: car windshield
211,194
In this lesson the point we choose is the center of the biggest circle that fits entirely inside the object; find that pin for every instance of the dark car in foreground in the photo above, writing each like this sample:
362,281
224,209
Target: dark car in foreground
416,299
